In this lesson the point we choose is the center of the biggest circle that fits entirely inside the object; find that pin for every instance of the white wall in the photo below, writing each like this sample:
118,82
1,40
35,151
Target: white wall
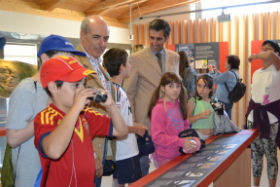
33,24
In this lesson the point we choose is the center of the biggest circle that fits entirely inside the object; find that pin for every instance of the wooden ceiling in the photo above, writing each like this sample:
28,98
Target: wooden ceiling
112,10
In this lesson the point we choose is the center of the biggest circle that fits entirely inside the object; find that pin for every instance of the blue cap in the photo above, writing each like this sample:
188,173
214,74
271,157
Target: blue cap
57,43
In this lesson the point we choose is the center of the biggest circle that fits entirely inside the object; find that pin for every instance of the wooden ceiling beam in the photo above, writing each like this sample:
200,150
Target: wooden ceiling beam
153,6
117,10
114,22
48,4
102,7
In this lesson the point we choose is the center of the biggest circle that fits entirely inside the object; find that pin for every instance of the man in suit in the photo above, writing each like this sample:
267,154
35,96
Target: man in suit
94,35
148,65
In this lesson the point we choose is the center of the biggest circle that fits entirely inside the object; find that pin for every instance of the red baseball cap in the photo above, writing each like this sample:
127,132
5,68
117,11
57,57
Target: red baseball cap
63,68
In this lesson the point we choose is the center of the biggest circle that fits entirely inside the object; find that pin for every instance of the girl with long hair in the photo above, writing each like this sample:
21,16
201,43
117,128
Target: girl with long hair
200,111
167,112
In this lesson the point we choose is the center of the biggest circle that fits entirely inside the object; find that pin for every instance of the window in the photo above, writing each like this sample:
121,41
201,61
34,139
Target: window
16,52
251,9
21,52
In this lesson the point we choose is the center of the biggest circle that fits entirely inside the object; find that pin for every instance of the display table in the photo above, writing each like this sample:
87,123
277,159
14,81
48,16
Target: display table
225,162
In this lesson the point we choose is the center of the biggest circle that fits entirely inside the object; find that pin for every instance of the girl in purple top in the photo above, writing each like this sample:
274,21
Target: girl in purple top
168,115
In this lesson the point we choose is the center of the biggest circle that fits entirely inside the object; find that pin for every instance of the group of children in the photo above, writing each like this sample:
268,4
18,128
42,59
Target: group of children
168,114
169,111
64,130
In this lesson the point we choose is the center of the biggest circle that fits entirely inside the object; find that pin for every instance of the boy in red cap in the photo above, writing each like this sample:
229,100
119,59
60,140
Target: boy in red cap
25,102
64,130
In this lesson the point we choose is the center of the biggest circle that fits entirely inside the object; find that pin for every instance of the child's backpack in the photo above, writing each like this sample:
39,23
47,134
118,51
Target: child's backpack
238,91
7,173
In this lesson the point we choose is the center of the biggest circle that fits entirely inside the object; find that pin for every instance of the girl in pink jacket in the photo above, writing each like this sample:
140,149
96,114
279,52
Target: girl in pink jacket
168,115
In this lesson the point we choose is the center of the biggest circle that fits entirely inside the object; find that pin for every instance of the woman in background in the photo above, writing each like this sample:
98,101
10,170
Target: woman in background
187,73
228,78
263,112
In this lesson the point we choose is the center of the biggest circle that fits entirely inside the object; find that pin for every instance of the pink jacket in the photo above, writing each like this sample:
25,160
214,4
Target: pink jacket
165,127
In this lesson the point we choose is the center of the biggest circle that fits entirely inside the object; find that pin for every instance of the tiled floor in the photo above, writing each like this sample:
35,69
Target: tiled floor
107,181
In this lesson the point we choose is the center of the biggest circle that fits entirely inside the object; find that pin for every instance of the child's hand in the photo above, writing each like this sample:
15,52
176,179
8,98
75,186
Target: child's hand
81,97
109,101
140,129
192,144
205,114
98,168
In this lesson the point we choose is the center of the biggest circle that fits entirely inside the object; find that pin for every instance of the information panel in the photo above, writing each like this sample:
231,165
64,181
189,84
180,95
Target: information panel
200,55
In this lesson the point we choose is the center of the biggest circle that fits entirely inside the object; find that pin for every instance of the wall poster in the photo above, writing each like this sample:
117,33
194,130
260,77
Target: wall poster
200,55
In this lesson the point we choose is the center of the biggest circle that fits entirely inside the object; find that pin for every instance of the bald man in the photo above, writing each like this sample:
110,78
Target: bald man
94,35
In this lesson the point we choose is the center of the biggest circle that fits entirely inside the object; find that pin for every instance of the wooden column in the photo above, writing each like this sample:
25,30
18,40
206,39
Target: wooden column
135,32
141,34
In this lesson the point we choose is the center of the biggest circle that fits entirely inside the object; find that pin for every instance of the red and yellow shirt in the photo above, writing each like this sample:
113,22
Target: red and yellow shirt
76,166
